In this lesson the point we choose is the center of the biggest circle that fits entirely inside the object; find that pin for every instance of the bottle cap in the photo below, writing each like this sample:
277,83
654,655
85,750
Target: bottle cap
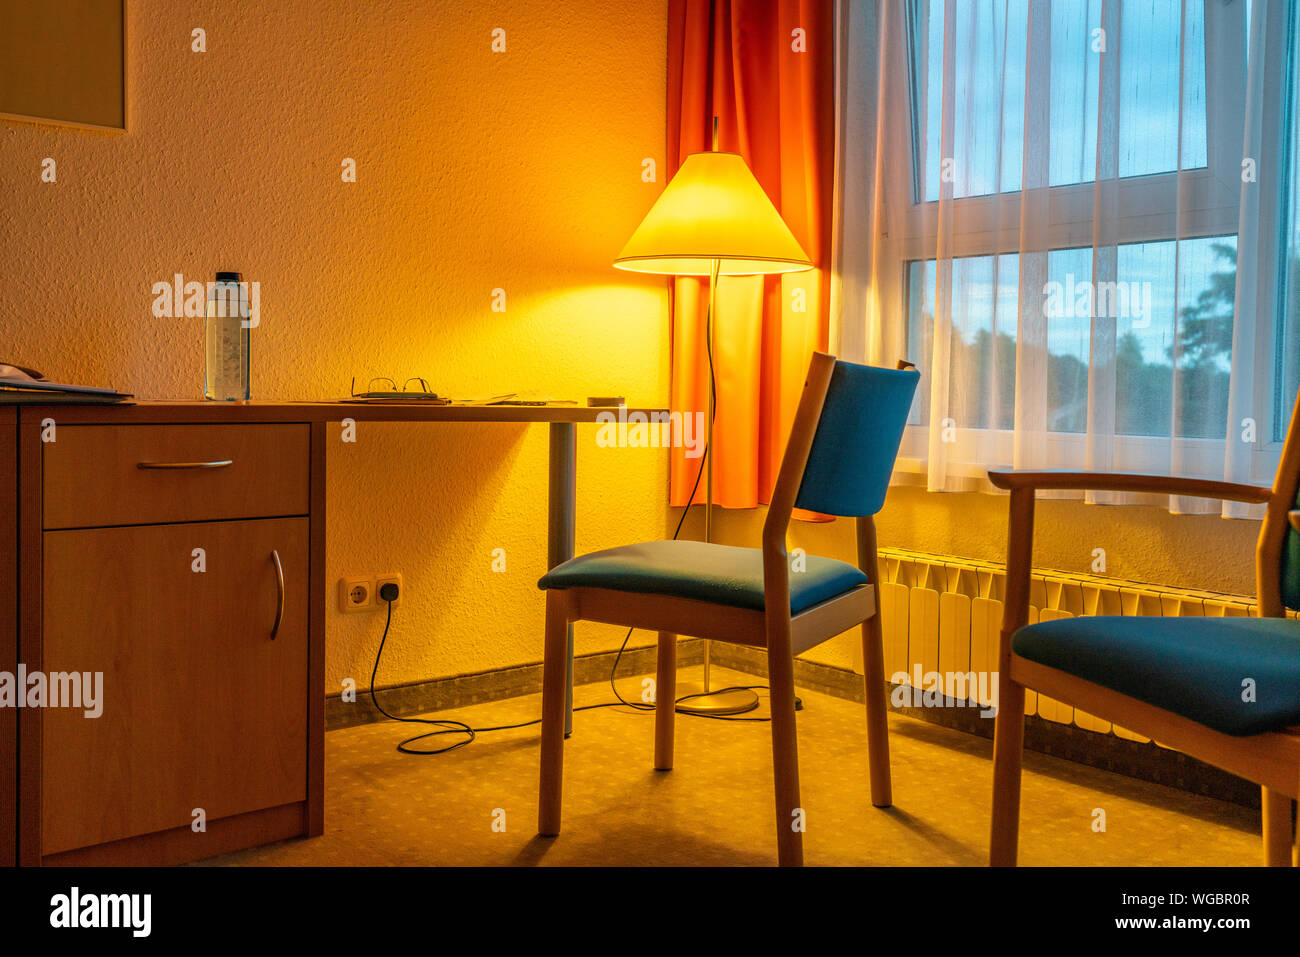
227,277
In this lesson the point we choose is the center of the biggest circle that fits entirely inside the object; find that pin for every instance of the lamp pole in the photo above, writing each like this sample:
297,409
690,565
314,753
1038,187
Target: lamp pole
708,445
738,700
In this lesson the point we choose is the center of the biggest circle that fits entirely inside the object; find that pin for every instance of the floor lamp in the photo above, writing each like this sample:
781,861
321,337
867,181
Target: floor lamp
713,219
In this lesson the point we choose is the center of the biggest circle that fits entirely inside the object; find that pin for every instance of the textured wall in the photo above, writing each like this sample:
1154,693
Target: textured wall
475,171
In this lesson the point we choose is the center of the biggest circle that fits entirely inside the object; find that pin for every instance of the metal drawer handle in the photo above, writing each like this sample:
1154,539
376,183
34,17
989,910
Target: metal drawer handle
221,464
279,602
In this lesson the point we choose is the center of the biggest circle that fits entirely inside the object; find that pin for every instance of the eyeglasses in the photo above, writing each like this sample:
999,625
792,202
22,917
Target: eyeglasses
393,390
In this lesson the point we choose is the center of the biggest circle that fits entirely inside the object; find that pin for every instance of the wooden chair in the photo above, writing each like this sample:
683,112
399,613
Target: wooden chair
838,461
1223,690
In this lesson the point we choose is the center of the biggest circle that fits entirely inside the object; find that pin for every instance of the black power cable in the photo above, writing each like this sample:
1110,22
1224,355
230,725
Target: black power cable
445,725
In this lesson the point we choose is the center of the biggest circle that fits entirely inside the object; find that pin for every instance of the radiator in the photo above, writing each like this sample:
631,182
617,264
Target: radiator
941,617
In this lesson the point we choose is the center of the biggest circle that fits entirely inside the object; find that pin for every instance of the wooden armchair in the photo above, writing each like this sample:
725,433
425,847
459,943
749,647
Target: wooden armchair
1180,681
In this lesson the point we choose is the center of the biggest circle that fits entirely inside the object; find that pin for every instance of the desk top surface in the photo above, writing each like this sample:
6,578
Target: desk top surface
197,411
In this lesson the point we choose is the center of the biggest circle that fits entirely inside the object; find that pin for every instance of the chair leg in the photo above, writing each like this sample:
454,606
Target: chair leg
665,700
785,760
873,671
1277,828
1008,749
553,705
873,677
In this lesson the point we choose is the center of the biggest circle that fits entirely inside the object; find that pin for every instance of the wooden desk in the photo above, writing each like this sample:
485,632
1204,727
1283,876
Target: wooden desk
92,514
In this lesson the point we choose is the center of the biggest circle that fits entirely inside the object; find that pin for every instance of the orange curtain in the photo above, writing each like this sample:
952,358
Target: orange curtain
765,68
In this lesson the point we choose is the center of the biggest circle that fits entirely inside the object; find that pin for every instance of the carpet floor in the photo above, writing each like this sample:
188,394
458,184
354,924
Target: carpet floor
478,805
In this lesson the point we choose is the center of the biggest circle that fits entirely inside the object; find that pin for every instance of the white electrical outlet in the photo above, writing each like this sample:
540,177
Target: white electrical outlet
356,594
396,579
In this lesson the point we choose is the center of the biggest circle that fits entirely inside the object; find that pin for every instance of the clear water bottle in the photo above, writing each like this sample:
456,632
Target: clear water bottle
227,333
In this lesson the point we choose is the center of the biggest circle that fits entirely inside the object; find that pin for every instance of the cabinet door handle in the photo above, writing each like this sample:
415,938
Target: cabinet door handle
279,601
219,464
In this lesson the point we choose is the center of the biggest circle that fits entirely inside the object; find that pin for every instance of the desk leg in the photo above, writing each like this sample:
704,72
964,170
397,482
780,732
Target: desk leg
562,507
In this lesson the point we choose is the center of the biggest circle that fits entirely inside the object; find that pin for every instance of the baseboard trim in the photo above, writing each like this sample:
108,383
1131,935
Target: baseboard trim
442,694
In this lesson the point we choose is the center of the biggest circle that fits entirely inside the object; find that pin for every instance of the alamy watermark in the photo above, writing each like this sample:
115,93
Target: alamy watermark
637,429
951,689
179,299
1086,300
78,909
58,689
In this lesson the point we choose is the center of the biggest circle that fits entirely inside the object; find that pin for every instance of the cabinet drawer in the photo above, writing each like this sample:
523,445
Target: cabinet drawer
98,475
204,701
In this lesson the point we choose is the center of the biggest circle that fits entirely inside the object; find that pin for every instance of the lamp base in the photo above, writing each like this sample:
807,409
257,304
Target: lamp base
717,703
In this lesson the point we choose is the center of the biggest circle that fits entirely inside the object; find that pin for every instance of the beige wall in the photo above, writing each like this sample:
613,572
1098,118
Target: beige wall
476,171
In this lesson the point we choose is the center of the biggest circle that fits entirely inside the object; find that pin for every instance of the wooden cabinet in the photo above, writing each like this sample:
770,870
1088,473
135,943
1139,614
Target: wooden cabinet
204,691
8,629
176,569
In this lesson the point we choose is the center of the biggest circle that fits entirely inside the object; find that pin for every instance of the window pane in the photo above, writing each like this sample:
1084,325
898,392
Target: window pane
983,365
1162,87
988,113
1068,342
1143,342
920,325
1075,75
982,359
1172,303
1161,125
1182,321
1202,351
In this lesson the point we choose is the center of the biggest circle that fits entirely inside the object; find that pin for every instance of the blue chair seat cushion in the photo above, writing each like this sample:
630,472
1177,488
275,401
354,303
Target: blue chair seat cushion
1194,667
721,574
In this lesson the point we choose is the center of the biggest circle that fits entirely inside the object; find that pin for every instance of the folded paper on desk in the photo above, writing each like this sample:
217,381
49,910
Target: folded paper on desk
515,398
19,384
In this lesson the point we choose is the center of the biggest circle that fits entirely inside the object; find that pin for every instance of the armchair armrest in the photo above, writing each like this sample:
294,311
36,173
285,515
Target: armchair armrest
1294,518
1129,482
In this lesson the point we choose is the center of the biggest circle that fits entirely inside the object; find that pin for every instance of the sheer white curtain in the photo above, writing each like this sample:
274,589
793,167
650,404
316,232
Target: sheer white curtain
1078,218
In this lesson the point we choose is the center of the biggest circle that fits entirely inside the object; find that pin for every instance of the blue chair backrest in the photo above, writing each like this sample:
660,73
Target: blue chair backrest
857,439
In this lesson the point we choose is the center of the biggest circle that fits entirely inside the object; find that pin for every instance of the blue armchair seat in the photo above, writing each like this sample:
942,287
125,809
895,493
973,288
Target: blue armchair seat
721,574
1195,667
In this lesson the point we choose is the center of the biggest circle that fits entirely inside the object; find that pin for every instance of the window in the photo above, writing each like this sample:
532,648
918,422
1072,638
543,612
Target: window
1025,159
